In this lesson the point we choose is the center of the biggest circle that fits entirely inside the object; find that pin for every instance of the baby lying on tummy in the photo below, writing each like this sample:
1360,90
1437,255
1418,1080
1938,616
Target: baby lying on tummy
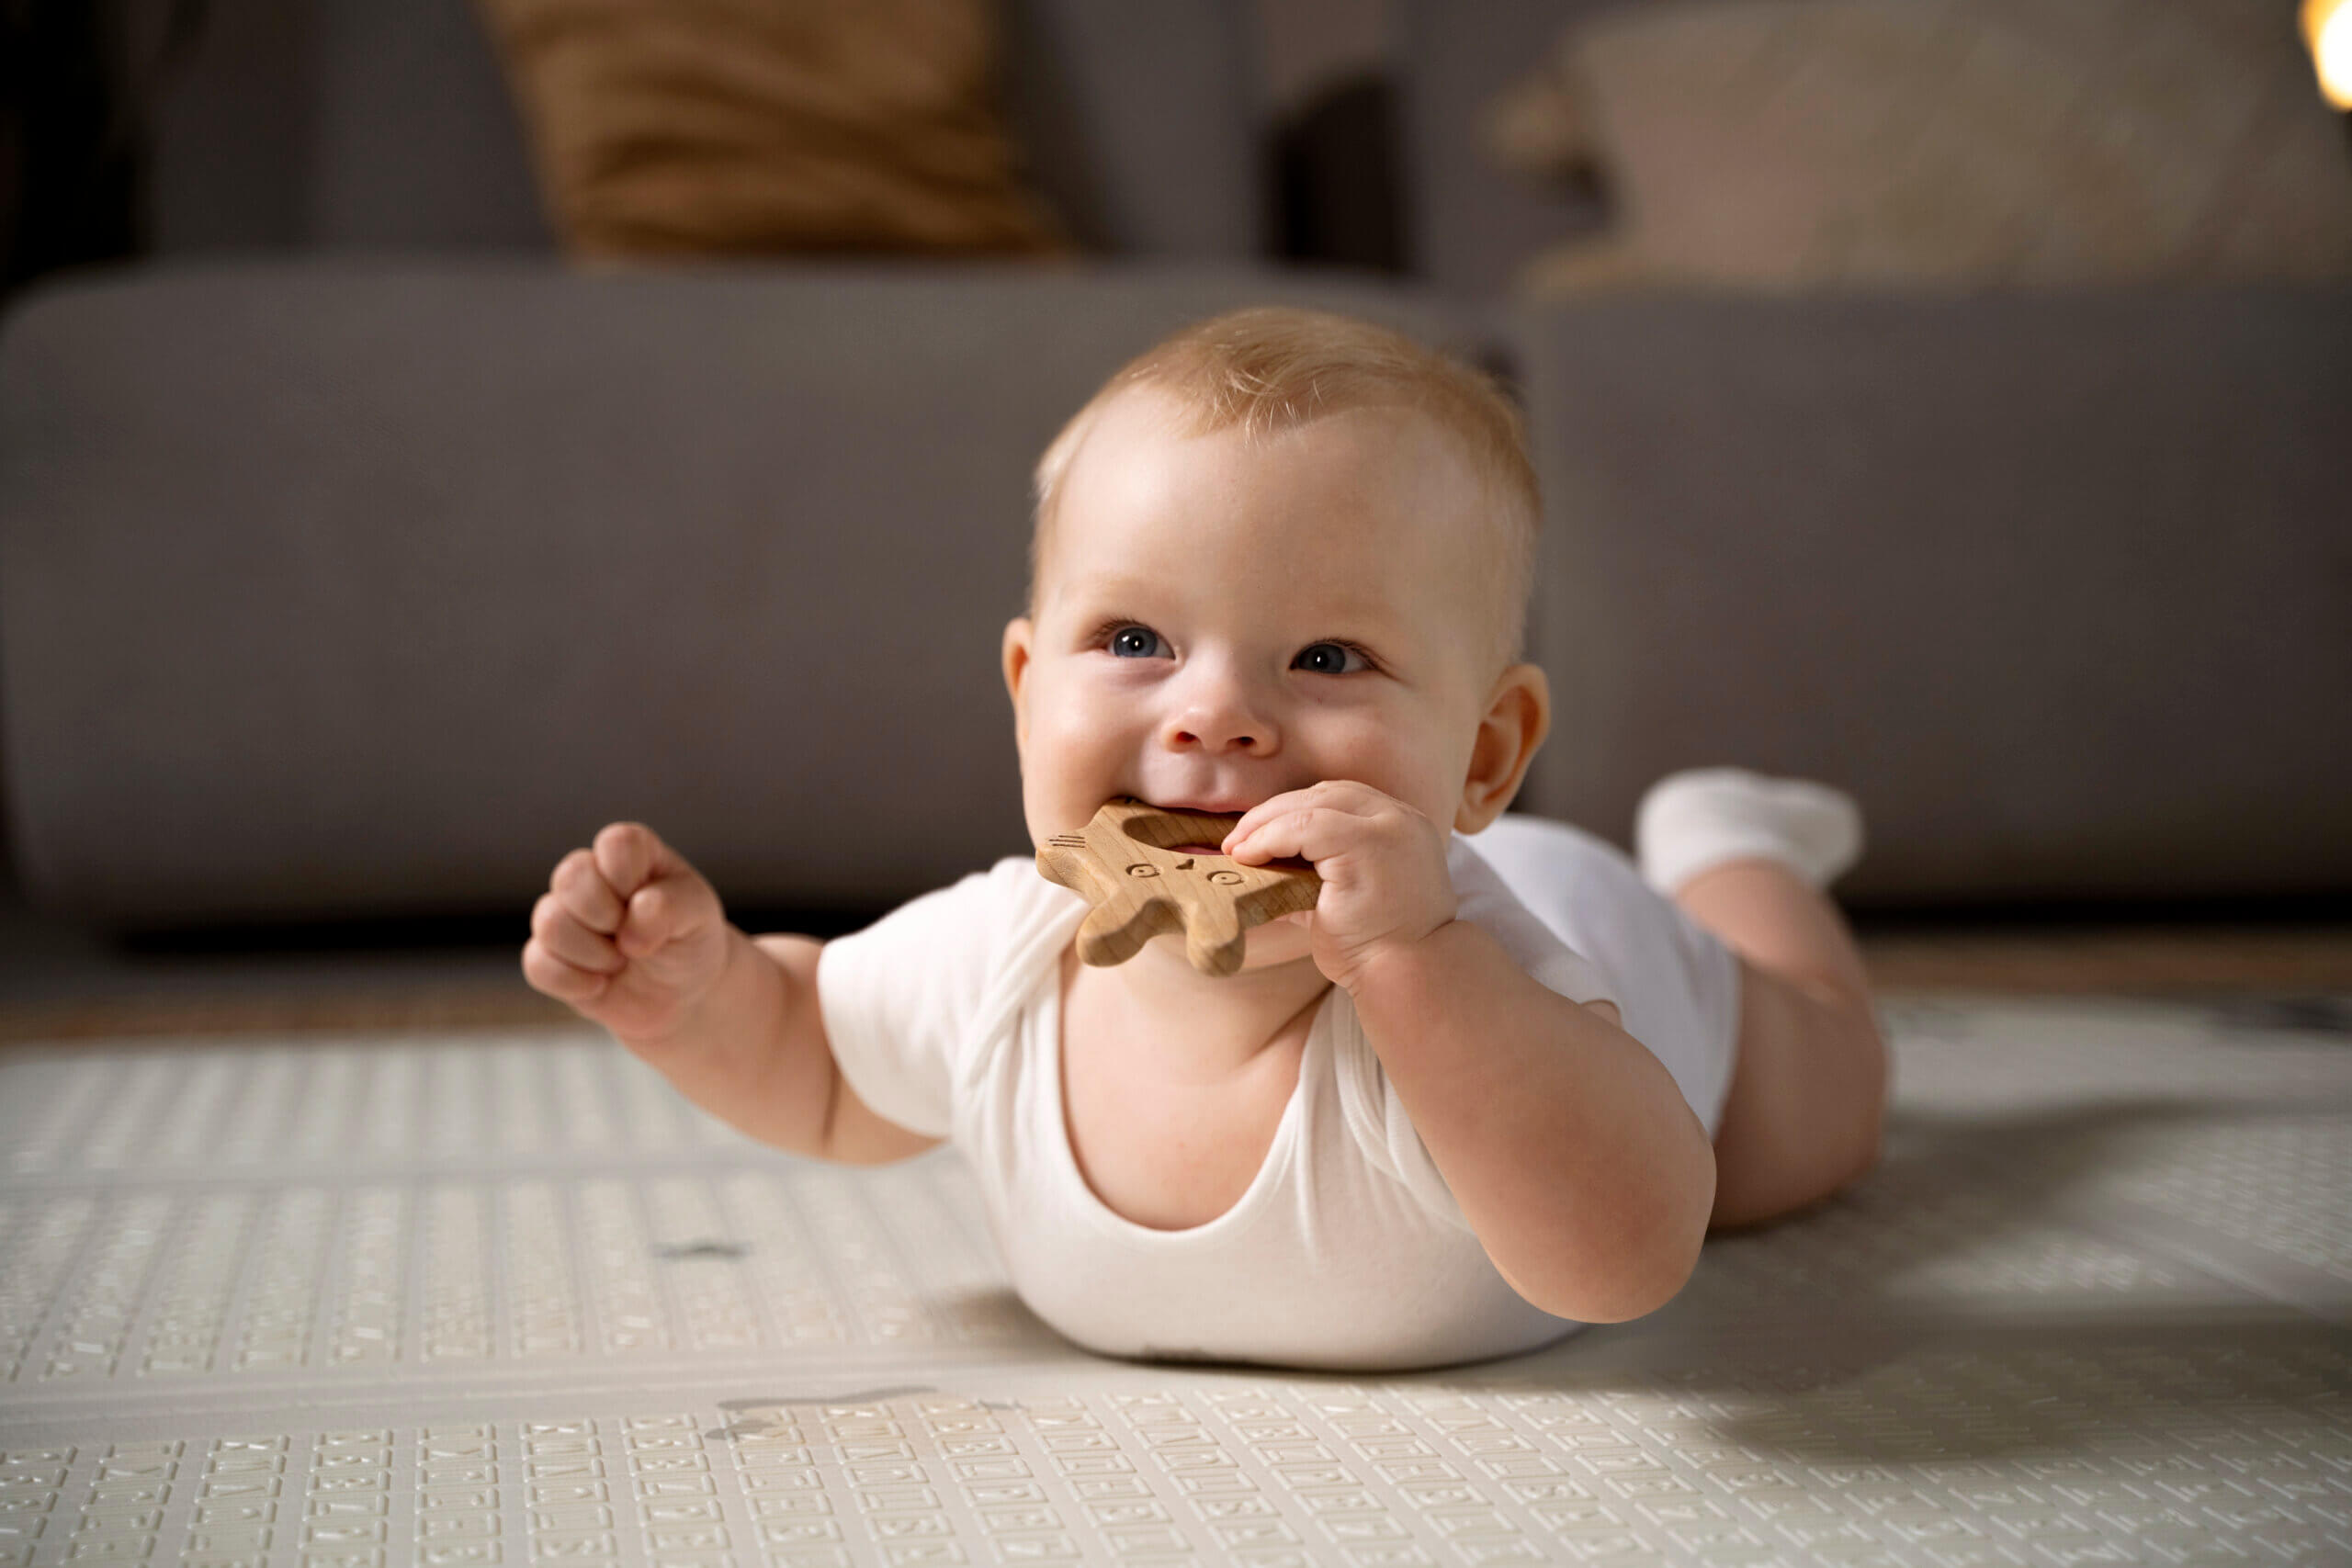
1495,1084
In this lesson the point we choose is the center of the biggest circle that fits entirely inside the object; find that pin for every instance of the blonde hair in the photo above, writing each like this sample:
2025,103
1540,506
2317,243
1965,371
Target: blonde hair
1272,368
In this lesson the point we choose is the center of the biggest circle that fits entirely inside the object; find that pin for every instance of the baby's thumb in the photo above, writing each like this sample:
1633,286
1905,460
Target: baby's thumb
630,854
667,910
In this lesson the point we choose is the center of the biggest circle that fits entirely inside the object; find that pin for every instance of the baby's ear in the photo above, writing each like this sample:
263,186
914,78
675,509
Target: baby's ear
1018,636
1517,718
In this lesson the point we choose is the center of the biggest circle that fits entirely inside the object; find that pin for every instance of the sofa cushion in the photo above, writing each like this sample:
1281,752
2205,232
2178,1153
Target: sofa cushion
2056,585
372,588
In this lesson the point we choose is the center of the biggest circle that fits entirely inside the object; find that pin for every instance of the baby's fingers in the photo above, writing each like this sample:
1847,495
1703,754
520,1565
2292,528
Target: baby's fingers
630,854
1265,811
661,898
560,932
564,981
584,893
1312,833
667,910
1308,824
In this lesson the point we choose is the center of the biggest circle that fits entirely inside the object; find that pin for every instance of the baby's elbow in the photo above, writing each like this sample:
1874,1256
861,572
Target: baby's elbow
1637,1291
1634,1281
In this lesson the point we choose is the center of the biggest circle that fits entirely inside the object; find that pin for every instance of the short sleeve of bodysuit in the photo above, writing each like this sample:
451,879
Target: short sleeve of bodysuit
1484,900
900,997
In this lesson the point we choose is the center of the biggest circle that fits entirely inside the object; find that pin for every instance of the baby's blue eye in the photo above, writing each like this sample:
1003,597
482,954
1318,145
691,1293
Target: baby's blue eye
1134,642
1329,658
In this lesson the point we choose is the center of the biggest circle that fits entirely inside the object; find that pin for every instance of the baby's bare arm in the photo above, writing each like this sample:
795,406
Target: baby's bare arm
1573,1156
632,937
754,1053
1567,1144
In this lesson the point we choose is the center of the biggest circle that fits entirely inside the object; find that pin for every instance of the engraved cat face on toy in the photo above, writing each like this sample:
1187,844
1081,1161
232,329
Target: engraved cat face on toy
1224,617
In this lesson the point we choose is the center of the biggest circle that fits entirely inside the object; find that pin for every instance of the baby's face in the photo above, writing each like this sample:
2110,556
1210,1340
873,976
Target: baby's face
1220,619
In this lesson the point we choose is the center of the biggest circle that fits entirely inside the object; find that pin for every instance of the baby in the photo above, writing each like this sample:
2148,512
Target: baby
1494,1085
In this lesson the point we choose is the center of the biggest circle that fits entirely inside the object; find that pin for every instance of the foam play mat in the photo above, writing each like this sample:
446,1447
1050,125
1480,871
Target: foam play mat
503,1297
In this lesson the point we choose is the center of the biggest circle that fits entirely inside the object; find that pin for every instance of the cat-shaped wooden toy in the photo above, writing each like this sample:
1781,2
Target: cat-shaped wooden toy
1148,871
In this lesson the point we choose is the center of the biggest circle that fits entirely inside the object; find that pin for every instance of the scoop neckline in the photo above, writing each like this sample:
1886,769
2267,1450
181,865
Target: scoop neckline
1281,1149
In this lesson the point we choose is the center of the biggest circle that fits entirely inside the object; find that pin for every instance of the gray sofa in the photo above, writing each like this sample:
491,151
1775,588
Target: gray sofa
357,559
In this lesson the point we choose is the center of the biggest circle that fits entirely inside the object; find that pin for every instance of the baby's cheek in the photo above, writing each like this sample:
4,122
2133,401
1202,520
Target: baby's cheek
1408,759
1055,769
1049,733
1081,723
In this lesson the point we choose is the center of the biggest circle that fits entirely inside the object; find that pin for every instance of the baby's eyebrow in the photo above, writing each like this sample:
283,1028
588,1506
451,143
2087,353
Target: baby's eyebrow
1098,599
1119,587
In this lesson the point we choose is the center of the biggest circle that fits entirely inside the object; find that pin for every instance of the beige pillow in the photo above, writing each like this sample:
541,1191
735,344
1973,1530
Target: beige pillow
666,128
1788,144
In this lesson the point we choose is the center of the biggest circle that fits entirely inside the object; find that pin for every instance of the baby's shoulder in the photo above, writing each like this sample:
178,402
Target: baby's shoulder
1008,902
1020,893
1484,899
979,920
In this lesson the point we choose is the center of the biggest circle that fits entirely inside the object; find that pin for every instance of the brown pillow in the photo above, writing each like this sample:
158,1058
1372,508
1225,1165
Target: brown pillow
666,128
1793,145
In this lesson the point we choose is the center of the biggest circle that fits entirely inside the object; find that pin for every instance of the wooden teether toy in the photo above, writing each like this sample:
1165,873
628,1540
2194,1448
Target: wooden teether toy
1144,872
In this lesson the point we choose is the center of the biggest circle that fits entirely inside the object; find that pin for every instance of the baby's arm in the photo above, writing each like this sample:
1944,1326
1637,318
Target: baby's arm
1575,1158
632,937
1573,1154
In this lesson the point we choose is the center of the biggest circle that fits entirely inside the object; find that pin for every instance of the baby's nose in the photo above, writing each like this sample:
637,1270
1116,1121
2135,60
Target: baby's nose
1212,737
1221,717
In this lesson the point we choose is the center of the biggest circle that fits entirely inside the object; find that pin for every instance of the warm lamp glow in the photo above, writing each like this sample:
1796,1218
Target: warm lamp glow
2328,29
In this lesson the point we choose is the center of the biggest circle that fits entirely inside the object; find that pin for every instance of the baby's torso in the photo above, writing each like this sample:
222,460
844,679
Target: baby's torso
1291,1216
1163,1150
1260,1225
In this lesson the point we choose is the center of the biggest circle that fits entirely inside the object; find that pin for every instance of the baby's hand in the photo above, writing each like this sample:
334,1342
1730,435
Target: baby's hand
627,933
1383,863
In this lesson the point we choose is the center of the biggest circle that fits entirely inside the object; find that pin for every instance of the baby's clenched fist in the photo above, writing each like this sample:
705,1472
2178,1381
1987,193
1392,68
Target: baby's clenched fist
627,933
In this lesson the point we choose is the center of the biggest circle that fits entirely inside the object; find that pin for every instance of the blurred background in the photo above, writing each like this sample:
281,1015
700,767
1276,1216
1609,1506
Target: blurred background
431,431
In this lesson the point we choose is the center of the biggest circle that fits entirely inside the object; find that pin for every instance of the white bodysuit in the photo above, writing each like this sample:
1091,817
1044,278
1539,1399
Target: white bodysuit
1347,1251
